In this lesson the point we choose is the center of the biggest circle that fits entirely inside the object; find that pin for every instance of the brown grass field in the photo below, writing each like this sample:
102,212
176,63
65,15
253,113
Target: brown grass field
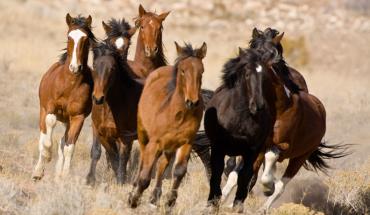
328,41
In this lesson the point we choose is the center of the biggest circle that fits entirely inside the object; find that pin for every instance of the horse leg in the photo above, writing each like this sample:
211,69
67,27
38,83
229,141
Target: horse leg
268,175
162,165
292,169
180,167
217,165
124,149
256,167
148,158
95,156
232,176
60,161
47,125
244,177
74,130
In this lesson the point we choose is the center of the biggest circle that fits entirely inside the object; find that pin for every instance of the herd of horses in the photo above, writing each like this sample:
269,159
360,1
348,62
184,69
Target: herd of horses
261,113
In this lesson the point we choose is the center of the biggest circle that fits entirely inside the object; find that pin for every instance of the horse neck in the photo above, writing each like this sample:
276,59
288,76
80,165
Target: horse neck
149,63
281,99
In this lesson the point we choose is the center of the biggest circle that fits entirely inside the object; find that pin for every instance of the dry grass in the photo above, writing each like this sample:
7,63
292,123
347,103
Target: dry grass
334,62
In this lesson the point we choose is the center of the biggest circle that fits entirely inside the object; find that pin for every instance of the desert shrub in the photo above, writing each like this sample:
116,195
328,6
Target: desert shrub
294,209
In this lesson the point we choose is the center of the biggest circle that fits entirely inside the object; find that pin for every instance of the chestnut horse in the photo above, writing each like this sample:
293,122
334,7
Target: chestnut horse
149,48
65,96
115,99
170,111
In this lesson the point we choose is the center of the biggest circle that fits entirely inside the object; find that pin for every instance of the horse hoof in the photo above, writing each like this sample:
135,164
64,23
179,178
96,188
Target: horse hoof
133,201
238,207
37,175
90,181
268,190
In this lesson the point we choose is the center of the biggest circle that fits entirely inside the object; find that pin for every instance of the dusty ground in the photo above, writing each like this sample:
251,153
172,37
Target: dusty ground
337,51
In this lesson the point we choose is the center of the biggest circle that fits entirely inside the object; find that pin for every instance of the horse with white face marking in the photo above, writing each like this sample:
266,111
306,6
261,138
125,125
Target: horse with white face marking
65,96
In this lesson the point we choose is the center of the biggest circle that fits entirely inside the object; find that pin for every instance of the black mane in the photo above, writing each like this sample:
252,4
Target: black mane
280,67
119,28
188,51
233,70
80,22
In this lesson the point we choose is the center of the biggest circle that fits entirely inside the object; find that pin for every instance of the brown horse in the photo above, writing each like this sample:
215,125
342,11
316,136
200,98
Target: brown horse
300,124
149,49
115,99
65,96
170,111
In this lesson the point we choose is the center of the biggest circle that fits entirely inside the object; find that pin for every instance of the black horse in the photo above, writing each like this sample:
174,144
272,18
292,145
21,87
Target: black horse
237,121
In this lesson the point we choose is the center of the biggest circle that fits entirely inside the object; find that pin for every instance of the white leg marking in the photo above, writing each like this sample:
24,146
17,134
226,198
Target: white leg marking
230,184
76,35
279,189
60,162
40,163
119,43
68,153
271,158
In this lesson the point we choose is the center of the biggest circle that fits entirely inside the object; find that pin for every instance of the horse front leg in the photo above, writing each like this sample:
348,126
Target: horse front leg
124,150
217,166
149,154
76,123
95,156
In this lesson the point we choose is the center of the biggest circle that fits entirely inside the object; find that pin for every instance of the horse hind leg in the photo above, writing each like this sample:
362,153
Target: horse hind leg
268,175
293,167
45,144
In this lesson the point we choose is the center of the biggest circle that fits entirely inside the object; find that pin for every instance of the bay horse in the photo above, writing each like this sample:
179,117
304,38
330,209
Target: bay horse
65,96
169,115
115,98
299,127
149,48
237,122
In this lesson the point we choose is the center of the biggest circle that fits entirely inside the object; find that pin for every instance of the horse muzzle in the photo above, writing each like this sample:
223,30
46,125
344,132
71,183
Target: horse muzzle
98,100
191,104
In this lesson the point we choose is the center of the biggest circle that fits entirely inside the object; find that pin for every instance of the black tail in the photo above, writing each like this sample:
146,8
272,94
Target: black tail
317,160
206,95
201,147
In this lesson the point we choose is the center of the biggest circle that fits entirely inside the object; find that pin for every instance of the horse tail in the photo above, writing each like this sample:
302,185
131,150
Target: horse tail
318,159
206,95
201,148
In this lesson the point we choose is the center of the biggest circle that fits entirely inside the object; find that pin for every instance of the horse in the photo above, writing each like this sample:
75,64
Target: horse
298,131
169,115
65,96
293,80
149,48
237,122
115,98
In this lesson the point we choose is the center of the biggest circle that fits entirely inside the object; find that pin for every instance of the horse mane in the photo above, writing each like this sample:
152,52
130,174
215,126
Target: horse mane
280,67
119,28
81,22
160,59
233,70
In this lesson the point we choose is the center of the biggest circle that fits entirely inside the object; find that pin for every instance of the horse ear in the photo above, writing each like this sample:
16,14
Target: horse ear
276,40
255,33
89,21
106,27
132,31
202,51
68,19
241,51
163,16
141,10
178,49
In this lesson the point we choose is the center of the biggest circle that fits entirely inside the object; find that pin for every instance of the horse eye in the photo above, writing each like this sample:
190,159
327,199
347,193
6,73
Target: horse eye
142,27
182,72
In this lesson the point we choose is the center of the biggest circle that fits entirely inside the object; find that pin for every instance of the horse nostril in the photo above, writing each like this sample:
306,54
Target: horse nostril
156,49
98,101
80,67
